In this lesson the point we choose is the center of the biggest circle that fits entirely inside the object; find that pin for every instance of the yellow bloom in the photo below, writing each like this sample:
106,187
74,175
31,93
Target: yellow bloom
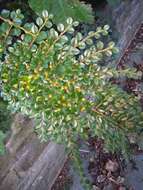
82,109
46,75
55,84
78,89
63,97
50,96
27,87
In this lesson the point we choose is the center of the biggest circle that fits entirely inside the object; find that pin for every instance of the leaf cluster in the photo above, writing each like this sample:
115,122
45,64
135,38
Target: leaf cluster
51,73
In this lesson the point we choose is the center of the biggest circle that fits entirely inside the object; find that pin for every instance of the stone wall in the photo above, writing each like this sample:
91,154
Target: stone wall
127,17
28,163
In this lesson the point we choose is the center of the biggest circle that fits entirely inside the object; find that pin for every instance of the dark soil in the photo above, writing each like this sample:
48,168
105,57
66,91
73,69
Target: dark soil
64,179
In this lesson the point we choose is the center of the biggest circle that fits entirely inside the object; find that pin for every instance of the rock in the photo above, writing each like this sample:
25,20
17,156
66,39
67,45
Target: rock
95,187
121,188
120,180
101,178
111,166
140,141
108,187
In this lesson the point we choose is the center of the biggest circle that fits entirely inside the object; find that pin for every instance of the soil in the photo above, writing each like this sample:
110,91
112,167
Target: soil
64,179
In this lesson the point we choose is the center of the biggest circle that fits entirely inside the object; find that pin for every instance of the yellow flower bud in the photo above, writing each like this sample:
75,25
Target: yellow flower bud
78,89
82,109
50,96
63,97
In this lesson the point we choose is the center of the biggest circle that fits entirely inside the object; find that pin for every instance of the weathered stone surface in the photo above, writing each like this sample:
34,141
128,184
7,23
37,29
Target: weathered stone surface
127,17
45,170
21,128
134,177
29,164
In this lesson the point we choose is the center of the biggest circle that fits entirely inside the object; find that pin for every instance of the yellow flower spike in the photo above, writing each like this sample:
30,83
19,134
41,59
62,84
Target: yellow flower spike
83,99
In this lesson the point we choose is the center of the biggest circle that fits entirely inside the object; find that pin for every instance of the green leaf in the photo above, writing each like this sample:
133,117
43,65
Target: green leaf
42,36
4,27
39,21
5,13
34,28
108,53
106,27
16,32
100,45
45,13
60,27
48,24
27,38
69,20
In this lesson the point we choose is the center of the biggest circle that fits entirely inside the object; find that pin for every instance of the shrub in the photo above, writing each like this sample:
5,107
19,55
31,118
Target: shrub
52,75
63,9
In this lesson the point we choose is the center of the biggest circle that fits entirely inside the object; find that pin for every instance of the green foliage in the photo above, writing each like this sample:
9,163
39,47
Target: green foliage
63,9
52,75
